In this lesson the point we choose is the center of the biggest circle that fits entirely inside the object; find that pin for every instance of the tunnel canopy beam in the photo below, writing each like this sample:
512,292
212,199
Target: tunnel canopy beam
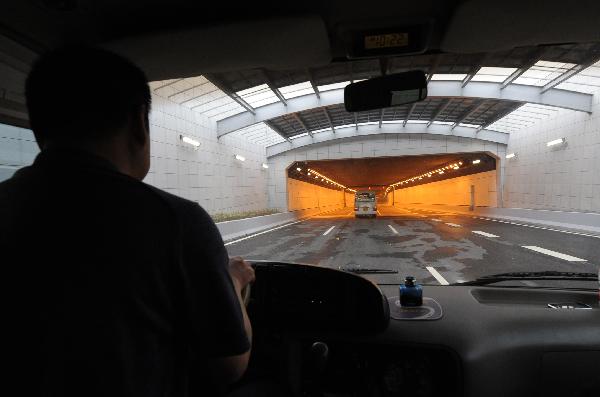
468,113
373,129
410,112
302,124
440,110
277,130
329,120
223,87
449,89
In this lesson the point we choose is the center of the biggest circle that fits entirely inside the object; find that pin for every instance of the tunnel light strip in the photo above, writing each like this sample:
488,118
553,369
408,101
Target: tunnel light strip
318,175
440,171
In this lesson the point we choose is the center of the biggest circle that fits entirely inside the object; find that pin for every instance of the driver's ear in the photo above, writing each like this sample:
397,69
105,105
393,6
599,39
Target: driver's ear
140,128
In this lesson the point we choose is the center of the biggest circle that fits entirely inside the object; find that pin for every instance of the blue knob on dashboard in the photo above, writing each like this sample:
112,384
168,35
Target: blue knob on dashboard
411,293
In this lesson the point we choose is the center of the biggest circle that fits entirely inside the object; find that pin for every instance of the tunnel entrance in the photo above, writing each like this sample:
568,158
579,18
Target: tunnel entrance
458,179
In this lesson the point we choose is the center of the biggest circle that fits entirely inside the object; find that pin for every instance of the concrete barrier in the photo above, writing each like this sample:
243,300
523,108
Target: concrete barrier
231,230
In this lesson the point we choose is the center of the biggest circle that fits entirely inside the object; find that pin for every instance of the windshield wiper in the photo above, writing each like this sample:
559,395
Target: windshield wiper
367,270
547,275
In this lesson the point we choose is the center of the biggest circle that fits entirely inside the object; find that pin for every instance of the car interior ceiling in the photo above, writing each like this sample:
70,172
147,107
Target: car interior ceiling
490,341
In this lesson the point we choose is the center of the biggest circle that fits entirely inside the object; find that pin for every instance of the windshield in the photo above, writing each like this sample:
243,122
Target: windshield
498,171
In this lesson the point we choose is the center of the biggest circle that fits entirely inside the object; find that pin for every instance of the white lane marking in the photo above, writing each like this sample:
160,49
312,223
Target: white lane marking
393,230
453,225
554,253
542,228
484,233
436,220
328,230
263,232
437,276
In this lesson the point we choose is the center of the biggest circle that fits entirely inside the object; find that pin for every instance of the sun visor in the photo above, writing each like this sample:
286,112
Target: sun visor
491,25
276,44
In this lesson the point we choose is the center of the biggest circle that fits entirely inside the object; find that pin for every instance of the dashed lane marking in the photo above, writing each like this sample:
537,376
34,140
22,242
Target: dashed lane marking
554,253
328,230
484,233
453,224
437,276
393,230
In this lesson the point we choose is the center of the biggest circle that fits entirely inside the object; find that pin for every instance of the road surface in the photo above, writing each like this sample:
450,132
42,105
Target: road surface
437,247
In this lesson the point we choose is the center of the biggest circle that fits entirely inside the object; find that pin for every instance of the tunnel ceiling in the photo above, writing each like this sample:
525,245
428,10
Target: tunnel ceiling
383,171
455,111
349,70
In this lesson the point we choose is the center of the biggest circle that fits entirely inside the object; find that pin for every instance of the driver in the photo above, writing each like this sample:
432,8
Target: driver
122,289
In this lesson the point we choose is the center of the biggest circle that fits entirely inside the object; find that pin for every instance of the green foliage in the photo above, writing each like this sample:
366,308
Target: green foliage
232,216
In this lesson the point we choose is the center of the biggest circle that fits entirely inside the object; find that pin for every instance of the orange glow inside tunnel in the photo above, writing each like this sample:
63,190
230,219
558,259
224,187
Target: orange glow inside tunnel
440,179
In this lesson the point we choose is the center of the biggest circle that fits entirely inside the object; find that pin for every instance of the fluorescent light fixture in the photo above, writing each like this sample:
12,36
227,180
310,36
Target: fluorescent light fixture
476,161
265,166
510,155
240,157
556,142
189,141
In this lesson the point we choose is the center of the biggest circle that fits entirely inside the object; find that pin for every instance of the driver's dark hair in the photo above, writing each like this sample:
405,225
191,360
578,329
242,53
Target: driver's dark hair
83,94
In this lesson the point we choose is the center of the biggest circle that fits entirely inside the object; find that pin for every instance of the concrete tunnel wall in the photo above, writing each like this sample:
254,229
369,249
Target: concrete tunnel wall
455,191
306,196
372,146
210,176
565,178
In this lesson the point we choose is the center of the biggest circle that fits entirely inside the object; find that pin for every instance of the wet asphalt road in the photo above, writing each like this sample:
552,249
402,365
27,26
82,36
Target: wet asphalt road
422,243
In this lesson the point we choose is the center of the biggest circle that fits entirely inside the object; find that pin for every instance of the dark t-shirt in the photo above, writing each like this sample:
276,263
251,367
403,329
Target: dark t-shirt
112,287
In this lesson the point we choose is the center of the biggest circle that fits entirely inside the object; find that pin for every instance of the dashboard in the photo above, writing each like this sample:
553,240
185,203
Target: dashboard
488,342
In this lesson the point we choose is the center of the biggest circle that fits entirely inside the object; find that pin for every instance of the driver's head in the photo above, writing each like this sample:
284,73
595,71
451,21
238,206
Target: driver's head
89,98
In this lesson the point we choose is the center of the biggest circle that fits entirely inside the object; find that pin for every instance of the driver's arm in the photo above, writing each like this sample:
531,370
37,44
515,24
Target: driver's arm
230,369
218,329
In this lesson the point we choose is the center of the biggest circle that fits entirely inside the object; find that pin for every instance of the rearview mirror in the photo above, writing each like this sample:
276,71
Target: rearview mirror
385,91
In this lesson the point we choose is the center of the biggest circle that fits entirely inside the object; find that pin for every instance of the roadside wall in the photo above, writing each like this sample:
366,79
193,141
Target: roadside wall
210,175
303,196
565,178
455,191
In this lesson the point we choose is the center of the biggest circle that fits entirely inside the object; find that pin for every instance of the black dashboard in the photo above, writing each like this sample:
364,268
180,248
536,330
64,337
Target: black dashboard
489,342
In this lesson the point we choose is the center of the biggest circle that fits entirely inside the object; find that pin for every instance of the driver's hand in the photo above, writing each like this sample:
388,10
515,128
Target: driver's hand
241,272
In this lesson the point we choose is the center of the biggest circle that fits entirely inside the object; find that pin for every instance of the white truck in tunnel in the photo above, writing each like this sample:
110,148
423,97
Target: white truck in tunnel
365,204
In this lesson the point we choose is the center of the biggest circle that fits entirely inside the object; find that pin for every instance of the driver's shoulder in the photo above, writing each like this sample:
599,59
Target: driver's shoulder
185,210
